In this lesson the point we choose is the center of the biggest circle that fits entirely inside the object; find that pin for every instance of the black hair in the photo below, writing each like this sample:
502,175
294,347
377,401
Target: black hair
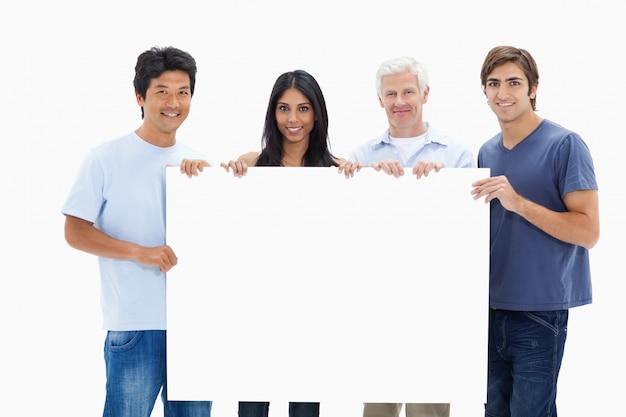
318,153
156,60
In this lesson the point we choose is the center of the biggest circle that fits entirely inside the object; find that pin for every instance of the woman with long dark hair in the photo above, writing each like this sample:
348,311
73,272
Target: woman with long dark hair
295,135
296,127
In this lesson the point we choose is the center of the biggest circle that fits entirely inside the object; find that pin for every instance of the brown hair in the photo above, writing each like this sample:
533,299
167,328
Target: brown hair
500,55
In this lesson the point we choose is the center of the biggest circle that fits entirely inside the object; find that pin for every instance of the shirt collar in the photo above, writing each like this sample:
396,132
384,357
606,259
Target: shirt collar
431,136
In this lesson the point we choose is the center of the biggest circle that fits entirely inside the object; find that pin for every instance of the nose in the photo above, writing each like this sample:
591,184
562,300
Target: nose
292,116
172,100
503,91
399,101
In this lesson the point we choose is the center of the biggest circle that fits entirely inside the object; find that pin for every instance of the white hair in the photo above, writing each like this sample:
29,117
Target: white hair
399,65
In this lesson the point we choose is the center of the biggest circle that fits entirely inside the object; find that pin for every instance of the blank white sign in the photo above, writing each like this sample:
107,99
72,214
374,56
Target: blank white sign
297,284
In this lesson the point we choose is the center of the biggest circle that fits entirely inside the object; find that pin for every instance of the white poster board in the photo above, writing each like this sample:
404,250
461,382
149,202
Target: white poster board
297,284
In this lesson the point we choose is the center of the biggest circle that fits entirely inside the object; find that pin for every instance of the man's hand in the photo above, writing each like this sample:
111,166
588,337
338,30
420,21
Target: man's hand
162,257
497,187
423,168
191,167
390,166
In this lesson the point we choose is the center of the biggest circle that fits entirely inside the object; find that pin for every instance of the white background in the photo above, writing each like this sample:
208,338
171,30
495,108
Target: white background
67,74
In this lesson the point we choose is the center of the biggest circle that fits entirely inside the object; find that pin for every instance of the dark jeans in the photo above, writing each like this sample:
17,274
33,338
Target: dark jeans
525,354
252,409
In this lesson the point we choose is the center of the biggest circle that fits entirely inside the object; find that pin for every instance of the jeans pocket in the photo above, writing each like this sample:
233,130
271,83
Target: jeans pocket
119,341
548,319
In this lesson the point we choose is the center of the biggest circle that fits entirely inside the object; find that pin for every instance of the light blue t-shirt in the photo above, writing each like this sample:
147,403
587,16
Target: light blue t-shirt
529,269
120,187
437,148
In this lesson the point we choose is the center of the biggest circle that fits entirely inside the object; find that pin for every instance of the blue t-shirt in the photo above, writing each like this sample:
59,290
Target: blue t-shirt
529,269
120,187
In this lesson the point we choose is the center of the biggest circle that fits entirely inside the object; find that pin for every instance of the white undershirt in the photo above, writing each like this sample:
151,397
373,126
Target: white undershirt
408,146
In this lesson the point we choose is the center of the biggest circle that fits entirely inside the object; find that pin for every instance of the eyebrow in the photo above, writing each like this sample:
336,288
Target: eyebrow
299,104
412,87
508,79
185,87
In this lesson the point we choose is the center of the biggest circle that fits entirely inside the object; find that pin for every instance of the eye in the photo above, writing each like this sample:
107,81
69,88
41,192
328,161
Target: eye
492,84
515,83
304,108
282,107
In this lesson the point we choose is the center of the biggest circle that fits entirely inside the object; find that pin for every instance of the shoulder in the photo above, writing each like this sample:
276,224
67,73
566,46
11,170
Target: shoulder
555,131
372,143
492,143
434,135
111,148
561,137
117,142
249,158
339,161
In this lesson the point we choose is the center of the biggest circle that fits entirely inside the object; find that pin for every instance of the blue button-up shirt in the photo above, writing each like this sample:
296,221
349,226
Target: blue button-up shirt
437,148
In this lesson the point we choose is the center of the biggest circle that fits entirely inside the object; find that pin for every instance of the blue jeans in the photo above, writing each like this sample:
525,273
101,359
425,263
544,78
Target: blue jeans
136,372
525,354
251,409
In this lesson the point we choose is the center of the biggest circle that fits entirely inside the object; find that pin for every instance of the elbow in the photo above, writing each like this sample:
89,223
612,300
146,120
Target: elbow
71,239
75,230
592,238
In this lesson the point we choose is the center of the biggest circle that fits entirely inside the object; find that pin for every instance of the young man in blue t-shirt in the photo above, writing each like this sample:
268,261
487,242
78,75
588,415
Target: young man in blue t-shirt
544,219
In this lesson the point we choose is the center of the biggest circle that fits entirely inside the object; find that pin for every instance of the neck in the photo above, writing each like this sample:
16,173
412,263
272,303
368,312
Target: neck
516,131
156,138
417,129
293,153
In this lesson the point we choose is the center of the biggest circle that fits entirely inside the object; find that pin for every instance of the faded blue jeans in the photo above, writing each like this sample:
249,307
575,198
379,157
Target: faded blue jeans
261,409
136,372
525,354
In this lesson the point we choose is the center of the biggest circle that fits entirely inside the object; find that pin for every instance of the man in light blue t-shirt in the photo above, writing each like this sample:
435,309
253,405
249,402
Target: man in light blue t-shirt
116,211
544,219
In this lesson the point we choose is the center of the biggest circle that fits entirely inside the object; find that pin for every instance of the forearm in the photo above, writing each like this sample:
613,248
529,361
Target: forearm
573,227
82,235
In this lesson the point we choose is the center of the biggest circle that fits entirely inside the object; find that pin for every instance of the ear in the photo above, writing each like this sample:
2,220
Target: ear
533,91
380,101
140,99
425,95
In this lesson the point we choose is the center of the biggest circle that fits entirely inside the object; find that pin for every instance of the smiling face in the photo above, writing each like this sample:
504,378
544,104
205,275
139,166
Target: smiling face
403,102
509,93
166,106
295,116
